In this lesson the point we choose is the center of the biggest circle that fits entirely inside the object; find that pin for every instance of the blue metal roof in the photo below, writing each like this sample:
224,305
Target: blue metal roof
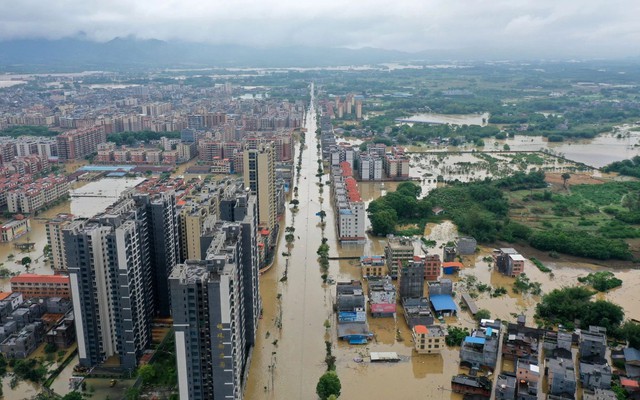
474,340
442,302
631,354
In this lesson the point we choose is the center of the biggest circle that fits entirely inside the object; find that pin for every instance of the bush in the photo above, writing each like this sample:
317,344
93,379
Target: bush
50,348
455,336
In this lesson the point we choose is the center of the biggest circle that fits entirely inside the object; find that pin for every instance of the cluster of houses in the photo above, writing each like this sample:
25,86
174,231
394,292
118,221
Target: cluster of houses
572,362
42,312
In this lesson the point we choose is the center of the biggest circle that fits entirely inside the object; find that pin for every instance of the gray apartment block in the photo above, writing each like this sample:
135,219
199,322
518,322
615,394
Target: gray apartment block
593,344
350,297
412,279
466,245
443,286
595,376
417,311
111,276
561,377
164,250
209,319
58,305
238,205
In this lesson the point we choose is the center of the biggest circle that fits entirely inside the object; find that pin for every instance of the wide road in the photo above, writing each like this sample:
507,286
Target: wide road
289,354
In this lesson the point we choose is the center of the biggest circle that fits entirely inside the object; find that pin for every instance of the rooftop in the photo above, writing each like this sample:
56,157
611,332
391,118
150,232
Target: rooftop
36,278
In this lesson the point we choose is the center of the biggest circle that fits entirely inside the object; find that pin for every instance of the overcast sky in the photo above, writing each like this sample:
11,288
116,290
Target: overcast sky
557,28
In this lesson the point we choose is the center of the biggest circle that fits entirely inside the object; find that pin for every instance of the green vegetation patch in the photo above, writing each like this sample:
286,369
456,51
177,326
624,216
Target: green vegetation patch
601,281
625,167
570,305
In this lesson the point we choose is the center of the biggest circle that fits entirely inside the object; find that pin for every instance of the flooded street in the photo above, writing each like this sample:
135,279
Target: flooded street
289,355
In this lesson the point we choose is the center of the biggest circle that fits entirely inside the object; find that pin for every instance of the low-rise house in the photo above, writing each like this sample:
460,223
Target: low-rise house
595,376
466,245
509,262
351,309
595,373
14,229
417,311
632,362
599,394
528,375
593,344
441,297
561,377
480,350
64,334
23,343
471,385
432,266
521,341
382,297
506,387
373,266
428,339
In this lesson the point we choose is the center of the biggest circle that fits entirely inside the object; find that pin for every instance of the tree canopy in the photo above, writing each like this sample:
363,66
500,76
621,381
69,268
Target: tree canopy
328,385
569,305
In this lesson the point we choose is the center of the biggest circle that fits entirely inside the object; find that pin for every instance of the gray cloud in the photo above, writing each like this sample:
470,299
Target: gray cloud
555,28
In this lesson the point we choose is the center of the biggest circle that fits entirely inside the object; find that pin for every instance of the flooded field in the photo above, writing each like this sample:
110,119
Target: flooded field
604,149
451,119
434,168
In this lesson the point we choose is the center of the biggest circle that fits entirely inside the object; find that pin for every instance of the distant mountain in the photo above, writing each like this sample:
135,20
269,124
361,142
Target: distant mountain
126,53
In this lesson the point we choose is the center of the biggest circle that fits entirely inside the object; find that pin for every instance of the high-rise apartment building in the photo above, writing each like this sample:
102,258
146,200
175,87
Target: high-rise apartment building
79,143
164,244
118,264
260,178
238,205
209,310
55,240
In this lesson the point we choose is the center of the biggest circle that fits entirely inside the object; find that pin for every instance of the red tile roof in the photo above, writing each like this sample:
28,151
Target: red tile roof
629,382
421,329
36,278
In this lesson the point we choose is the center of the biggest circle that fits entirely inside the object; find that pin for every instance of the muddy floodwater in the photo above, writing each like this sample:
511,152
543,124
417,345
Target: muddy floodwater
289,355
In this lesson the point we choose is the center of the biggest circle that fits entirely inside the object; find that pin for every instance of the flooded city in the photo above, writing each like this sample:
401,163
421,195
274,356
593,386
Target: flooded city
289,355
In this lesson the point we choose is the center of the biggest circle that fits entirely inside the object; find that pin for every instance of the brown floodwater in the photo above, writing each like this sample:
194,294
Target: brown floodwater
289,355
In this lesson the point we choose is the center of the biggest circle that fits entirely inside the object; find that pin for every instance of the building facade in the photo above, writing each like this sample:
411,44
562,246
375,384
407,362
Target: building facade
260,177
209,319
114,262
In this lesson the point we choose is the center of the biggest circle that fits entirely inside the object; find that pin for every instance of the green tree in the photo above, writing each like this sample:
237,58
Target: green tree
328,384
601,281
25,261
483,314
132,394
631,332
456,335
384,222
72,396
147,373
565,177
